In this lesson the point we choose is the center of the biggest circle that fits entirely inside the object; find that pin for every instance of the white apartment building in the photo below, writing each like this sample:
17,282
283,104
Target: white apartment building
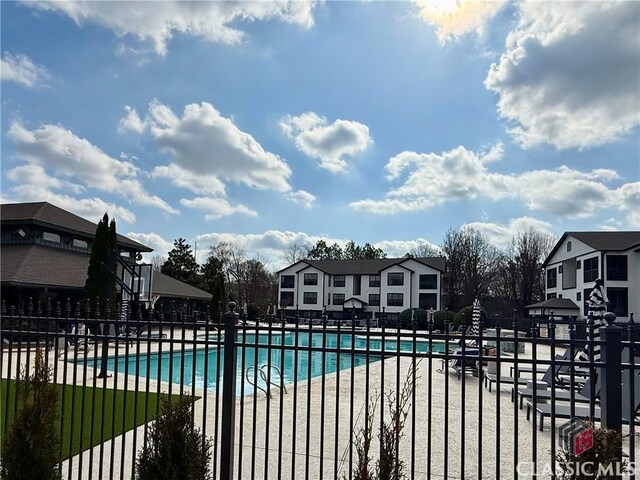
361,288
579,258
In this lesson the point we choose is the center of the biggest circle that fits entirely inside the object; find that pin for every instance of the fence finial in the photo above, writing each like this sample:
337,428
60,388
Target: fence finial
610,317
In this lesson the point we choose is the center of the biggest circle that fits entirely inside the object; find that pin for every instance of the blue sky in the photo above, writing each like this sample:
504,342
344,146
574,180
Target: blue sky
271,123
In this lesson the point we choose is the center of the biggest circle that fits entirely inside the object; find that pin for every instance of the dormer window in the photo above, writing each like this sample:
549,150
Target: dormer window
569,246
80,243
51,237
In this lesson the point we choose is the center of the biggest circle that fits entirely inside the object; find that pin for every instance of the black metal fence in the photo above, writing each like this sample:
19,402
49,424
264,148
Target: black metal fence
283,400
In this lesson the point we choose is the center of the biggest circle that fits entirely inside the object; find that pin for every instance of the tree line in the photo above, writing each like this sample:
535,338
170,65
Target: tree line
504,280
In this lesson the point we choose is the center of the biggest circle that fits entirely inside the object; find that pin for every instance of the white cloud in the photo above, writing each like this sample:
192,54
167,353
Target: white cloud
431,179
203,142
328,143
398,248
53,147
158,21
500,235
306,199
21,69
570,75
34,185
153,240
216,207
192,181
131,121
454,18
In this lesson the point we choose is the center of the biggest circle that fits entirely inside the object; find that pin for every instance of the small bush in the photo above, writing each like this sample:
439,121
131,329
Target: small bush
419,317
441,317
389,466
176,450
31,449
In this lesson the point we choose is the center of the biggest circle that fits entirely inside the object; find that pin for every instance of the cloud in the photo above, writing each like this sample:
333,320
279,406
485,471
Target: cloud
570,74
157,22
204,143
153,240
500,235
306,199
398,248
454,18
216,207
34,185
53,147
430,179
131,121
22,70
328,143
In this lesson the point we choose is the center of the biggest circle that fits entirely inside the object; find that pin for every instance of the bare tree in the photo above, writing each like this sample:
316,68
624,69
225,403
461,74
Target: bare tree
296,252
157,261
520,279
424,250
471,266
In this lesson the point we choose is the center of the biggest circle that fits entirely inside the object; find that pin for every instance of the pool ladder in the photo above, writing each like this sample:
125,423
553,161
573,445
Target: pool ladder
262,371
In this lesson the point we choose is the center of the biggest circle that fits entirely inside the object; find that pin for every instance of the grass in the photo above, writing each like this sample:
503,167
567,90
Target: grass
104,408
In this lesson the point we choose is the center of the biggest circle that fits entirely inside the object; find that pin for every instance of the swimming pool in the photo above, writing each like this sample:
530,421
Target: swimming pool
200,367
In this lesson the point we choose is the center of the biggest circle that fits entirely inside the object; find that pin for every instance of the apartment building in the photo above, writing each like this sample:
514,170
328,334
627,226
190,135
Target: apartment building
360,288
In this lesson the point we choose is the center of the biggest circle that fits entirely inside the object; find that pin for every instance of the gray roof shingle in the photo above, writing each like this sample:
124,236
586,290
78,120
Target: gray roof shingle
46,214
368,266
41,266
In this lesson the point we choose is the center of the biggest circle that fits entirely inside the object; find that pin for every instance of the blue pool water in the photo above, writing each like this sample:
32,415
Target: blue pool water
195,368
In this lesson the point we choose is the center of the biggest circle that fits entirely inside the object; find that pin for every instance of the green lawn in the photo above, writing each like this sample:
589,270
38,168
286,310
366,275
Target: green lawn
101,407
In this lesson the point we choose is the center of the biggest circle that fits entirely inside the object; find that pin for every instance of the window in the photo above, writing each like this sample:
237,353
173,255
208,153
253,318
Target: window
80,243
551,295
310,298
310,278
395,299
374,280
618,301
374,299
338,281
51,237
286,299
287,281
590,271
552,278
578,296
569,246
338,298
427,301
428,282
395,279
617,267
357,281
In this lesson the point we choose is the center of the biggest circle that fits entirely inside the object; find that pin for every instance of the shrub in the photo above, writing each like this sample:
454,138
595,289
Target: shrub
176,450
419,316
31,449
440,317
389,466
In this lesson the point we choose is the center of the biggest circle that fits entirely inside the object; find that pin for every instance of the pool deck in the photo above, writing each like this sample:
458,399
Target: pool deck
312,422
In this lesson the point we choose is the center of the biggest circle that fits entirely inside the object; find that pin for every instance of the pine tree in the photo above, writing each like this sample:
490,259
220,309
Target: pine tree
98,282
213,282
31,448
182,264
176,450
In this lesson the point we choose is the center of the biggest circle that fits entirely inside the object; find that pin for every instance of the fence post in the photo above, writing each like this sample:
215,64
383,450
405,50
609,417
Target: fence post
228,393
611,378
